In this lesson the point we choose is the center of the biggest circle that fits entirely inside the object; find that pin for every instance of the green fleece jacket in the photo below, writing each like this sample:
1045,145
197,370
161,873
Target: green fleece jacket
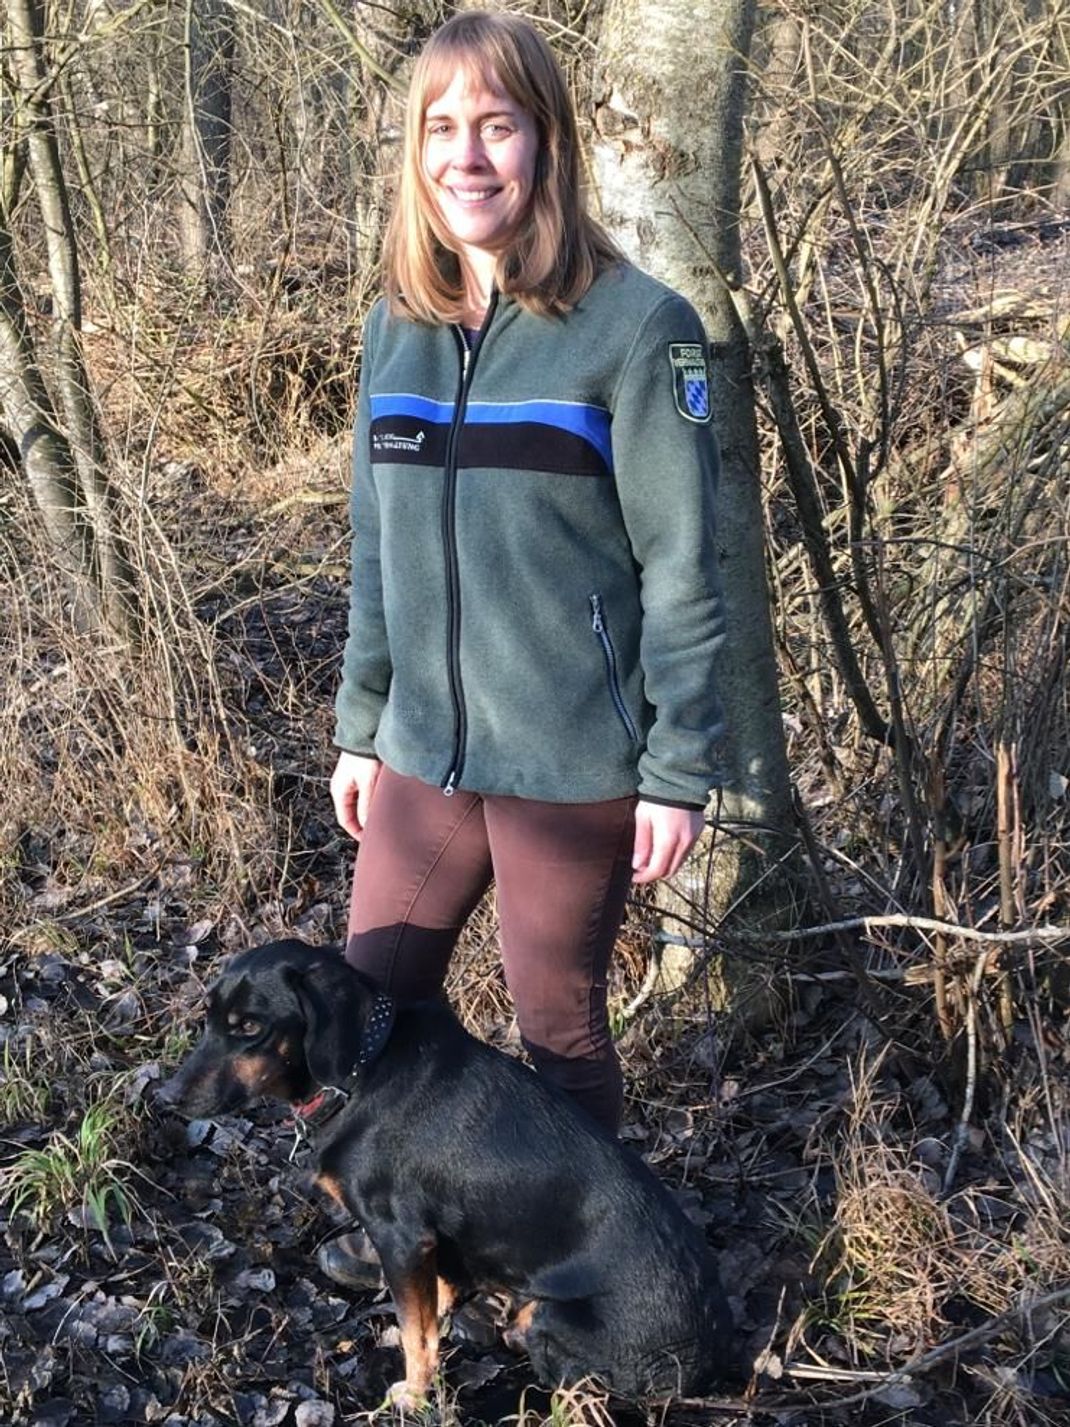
536,606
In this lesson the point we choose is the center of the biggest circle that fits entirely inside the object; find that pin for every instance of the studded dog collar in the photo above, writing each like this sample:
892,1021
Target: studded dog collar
315,1113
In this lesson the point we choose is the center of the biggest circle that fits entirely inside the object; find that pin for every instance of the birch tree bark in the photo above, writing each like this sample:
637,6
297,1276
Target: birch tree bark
667,152
29,416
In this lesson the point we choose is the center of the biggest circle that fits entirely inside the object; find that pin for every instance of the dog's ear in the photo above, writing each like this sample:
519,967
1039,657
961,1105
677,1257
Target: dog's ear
330,1006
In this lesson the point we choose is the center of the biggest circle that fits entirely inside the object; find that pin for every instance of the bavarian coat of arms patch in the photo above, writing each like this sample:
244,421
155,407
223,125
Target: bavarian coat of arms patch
690,380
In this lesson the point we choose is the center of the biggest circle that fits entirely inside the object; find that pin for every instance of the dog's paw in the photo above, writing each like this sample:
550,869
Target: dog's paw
400,1397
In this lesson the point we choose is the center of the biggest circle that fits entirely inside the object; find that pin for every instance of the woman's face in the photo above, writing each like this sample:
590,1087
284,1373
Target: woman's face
479,155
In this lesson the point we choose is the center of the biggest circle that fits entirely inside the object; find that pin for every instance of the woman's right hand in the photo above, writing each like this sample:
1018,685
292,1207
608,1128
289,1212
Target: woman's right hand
352,785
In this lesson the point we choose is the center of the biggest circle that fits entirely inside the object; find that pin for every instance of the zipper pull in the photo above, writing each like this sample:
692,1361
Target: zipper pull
448,790
596,614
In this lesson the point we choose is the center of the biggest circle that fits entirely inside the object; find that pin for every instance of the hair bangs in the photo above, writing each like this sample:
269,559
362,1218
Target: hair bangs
499,55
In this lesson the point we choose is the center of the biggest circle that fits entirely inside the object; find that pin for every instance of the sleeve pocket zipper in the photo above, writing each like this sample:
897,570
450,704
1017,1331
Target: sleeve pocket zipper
598,624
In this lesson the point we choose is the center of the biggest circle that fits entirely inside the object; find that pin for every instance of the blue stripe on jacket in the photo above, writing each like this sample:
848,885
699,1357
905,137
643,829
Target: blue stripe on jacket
591,423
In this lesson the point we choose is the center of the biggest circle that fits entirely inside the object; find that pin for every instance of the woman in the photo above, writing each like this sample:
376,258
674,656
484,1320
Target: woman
527,692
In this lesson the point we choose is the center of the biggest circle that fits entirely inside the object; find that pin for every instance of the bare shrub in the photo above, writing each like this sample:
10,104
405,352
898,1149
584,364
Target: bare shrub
115,763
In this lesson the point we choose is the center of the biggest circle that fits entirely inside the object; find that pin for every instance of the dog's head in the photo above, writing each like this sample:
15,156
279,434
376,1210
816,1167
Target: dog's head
283,1020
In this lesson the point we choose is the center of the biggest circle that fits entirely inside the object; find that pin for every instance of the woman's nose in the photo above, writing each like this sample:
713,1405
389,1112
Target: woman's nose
470,151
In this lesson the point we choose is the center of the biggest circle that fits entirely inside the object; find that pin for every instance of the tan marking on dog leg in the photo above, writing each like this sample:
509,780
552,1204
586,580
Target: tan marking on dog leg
447,1297
415,1299
327,1184
515,1335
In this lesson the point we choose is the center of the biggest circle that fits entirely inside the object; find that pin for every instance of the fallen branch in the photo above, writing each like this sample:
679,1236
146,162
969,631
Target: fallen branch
307,497
903,919
962,1128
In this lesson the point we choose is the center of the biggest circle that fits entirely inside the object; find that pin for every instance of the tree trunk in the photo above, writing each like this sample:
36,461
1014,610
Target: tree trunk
206,134
377,79
780,66
27,412
81,515
1060,175
668,141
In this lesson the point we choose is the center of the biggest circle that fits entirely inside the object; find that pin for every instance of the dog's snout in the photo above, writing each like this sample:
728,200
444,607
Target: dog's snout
191,1087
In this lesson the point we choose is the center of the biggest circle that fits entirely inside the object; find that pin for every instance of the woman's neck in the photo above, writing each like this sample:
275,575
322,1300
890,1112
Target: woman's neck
478,269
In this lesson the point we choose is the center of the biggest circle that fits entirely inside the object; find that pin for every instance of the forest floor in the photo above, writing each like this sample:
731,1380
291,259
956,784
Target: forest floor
200,1302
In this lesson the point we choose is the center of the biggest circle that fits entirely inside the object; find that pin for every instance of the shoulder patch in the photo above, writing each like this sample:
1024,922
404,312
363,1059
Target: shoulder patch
690,380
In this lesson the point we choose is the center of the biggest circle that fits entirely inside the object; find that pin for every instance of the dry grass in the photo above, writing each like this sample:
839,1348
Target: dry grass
890,1258
120,761
901,1268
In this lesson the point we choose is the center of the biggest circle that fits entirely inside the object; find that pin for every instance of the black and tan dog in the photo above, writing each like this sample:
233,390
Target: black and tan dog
467,1172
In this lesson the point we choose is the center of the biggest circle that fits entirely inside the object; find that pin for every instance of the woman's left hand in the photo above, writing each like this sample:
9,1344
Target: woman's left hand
663,838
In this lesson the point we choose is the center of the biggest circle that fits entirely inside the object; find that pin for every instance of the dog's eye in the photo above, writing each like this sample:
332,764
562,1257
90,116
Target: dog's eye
249,1027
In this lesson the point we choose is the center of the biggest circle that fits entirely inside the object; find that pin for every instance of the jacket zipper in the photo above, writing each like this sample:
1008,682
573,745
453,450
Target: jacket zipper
598,624
469,356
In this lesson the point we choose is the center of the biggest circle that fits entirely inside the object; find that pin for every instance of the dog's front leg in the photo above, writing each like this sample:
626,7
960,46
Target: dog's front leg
409,1268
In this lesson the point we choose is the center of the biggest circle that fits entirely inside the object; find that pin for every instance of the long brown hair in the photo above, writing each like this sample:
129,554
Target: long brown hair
559,249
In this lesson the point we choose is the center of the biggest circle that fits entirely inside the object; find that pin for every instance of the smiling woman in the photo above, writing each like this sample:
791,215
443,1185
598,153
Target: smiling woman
527,693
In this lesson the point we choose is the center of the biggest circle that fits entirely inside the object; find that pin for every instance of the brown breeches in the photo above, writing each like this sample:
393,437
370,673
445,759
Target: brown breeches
561,872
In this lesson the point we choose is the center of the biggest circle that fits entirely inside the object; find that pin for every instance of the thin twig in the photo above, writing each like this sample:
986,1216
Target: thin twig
962,1129
650,980
941,902
76,914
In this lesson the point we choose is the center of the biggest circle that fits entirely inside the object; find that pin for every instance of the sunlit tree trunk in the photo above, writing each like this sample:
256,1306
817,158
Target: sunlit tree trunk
669,126
1060,189
29,416
780,67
